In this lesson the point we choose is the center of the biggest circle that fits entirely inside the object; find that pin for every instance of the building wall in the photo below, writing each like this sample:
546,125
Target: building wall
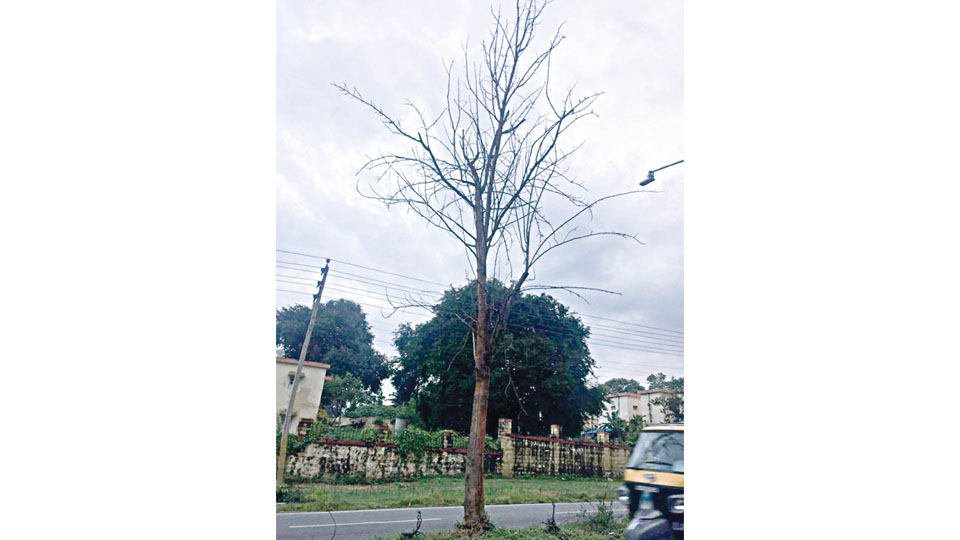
629,406
309,392
653,414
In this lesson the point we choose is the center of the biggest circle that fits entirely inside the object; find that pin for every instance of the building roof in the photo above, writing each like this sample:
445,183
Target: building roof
305,363
638,394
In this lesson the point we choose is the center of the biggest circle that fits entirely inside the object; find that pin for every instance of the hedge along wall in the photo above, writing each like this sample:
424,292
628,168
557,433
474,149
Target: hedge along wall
331,460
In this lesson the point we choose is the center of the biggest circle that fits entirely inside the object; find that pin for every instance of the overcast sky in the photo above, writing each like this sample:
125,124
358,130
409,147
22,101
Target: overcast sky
393,51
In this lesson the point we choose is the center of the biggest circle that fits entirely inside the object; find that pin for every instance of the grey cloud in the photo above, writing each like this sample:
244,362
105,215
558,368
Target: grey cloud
393,51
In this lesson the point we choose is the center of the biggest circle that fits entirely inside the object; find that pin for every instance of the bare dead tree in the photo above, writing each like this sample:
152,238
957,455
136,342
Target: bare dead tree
484,170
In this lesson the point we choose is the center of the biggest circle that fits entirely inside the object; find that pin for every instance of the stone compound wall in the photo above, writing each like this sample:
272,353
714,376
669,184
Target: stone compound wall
330,460
526,455
520,455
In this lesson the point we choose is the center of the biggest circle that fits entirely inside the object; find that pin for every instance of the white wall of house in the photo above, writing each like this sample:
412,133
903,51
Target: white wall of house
629,405
307,404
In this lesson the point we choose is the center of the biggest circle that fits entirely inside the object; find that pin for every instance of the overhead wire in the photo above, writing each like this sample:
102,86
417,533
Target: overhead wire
599,338
663,343
362,279
361,266
445,285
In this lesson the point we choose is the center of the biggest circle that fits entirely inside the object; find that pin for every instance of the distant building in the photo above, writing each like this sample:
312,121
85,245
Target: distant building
307,405
628,405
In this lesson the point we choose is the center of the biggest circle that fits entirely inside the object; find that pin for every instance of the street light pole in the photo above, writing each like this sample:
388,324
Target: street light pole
650,177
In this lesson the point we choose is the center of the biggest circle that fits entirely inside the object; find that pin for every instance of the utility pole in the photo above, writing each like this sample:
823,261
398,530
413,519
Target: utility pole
282,459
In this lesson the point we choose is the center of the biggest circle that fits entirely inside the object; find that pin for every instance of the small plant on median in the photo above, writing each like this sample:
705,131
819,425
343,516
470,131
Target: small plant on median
288,493
601,521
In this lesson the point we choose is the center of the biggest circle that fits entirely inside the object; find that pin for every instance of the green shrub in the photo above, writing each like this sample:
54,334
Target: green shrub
414,442
290,494
600,521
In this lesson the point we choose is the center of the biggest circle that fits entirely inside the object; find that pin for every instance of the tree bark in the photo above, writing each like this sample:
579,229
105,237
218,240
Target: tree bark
474,515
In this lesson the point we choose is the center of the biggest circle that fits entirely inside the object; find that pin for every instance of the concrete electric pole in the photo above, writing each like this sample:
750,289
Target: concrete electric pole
282,458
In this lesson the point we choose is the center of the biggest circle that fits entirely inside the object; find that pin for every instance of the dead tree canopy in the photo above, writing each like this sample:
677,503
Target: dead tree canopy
489,163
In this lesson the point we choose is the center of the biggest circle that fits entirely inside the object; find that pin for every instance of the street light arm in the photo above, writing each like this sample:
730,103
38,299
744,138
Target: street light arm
650,178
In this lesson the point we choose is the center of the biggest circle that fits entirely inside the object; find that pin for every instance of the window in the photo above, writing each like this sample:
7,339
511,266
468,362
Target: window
290,384
658,451
635,407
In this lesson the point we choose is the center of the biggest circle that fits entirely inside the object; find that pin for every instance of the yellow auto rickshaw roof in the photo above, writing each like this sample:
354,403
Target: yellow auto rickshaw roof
664,427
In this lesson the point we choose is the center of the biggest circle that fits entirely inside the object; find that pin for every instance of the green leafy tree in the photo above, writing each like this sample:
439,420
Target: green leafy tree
619,384
618,426
341,337
540,371
342,393
655,381
634,426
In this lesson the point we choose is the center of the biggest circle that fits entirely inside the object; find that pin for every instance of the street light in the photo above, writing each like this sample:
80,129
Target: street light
650,177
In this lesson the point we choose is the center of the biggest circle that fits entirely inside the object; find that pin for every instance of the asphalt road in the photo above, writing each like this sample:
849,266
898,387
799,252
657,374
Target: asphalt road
362,524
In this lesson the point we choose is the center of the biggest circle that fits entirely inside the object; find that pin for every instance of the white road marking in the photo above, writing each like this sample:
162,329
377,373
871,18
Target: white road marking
338,512
362,523
581,511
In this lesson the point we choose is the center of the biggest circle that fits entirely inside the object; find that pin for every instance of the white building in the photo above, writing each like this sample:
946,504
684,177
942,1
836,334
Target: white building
307,404
628,405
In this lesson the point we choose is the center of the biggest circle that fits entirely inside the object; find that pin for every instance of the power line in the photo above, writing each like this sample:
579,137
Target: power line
445,285
374,296
296,277
603,339
359,303
625,322
671,341
649,335
405,288
422,314
627,343
593,342
628,347
650,344
361,266
365,279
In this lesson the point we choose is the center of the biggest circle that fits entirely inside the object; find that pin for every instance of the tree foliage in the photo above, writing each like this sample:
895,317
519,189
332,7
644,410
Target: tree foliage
341,337
344,392
540,369
657,380
618,385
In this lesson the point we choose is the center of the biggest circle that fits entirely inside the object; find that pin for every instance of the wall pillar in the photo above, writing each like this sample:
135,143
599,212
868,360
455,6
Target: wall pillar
554,449
505,435
606,454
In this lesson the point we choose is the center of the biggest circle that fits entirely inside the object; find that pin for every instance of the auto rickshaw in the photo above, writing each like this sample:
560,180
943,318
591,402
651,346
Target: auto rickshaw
653,484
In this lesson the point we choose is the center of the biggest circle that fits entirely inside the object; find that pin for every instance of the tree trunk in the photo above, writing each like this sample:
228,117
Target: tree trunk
474,516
